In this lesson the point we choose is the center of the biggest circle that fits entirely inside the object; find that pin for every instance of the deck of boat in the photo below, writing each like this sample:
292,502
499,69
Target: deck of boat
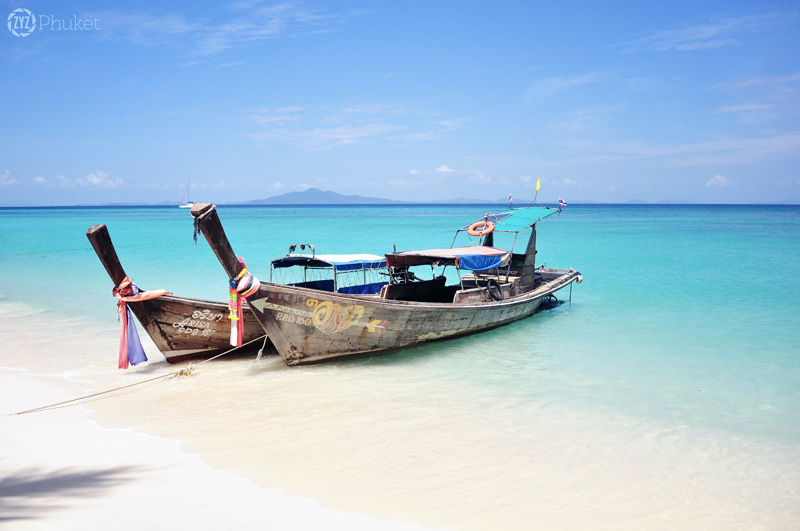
546,282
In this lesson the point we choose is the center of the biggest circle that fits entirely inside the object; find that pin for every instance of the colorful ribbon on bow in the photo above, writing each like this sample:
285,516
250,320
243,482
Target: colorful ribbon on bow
239,288
130,347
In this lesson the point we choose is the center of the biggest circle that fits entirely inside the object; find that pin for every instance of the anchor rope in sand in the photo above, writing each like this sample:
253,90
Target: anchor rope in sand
174,374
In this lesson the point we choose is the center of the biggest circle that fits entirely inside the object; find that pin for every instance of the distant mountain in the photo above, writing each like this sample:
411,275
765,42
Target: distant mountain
315,196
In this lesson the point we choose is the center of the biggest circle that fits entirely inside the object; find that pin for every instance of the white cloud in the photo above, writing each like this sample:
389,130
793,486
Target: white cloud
63,181
553,85
6,180
427,136
101,180
727,151
529,181
278,185
717,33
744,107
375,108
773,102
229,65
452,125
414,172
719,180
324,138
482,178
444,169
567,182
270,116
254,23
755,81
325,128
708,45
40,180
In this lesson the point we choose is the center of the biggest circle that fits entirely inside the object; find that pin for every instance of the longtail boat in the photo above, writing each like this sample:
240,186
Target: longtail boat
308,325
182,328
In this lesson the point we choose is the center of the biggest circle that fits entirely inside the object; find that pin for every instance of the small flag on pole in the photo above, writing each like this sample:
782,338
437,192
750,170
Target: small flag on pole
561,202
509,200
538,183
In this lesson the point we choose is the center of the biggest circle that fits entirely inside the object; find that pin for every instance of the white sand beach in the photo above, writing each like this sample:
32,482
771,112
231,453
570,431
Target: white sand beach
382,444
59,470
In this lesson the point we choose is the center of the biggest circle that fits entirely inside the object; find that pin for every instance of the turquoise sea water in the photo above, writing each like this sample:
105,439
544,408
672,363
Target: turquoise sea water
688,319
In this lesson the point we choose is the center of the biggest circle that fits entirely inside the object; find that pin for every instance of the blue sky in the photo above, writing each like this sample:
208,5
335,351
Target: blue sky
606,101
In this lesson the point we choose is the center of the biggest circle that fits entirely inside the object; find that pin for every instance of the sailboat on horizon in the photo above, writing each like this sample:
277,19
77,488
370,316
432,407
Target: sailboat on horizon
184,203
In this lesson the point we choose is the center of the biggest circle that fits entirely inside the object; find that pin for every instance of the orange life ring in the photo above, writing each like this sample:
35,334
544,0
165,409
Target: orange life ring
488,227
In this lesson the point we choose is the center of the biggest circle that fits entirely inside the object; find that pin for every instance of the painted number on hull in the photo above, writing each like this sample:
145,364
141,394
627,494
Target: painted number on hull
199,324
196,332
291,318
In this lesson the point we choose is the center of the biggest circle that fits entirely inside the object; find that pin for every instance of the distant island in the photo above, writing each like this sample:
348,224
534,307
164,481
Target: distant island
315,196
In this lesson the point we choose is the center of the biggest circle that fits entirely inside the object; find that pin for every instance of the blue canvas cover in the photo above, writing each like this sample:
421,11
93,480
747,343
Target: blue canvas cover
472,258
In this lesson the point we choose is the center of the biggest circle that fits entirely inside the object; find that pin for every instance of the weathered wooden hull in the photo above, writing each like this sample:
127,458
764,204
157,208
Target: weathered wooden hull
310,326
184,328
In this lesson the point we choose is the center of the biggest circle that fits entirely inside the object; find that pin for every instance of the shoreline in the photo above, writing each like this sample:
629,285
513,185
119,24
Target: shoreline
396,448
61,469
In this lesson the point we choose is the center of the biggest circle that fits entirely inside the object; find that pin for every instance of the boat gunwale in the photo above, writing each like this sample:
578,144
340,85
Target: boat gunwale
566,277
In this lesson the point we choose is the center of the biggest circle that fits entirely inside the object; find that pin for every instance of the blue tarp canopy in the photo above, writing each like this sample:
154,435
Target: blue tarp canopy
472,258
339,262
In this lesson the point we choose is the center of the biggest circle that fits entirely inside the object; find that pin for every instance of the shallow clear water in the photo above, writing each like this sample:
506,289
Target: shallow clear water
673,372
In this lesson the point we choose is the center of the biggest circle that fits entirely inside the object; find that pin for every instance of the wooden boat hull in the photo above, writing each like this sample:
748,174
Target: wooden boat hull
310,326
182,328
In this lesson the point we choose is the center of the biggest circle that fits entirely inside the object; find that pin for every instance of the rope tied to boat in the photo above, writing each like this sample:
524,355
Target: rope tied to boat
186,371
198,219
239,288
130,346
180,372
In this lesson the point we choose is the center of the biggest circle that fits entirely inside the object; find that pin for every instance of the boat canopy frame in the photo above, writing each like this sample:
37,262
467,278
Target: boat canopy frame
512,220
340,266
